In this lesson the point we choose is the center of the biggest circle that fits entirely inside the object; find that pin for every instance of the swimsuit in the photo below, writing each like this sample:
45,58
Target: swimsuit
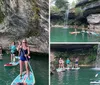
22,55
13,49
76,62
60,61
67,61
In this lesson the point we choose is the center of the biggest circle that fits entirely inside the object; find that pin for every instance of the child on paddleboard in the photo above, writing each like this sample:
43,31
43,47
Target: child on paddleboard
24,59
67,63
13,51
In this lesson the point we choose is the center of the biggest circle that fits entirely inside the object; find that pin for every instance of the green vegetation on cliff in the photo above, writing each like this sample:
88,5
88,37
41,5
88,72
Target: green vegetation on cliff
85,56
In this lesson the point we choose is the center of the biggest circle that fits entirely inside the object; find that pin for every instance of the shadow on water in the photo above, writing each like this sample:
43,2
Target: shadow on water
39,64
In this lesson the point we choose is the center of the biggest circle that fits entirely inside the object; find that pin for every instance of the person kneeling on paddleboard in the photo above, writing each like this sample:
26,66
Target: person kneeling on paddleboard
24,53
13,51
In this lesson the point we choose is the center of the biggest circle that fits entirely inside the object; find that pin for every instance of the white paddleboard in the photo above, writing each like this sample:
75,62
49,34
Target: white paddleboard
17,57
95,82
11,64
60,69
24,79
93,33
67,68
75,68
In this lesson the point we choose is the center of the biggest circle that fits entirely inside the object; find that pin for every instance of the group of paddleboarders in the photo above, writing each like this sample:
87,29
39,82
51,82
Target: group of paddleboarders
23,52
68,62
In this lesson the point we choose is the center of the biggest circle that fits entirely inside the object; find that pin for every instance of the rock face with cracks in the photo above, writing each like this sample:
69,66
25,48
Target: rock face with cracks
20,22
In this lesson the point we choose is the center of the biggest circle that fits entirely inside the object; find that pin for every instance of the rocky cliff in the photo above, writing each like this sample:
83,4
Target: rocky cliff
91,12
26,19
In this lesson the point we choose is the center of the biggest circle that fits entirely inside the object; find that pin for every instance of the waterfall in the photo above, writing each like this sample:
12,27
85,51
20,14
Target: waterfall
66,18
97,64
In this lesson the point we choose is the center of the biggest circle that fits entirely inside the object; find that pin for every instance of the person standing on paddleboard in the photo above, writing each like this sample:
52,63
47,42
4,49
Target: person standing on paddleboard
13,51
24,53
67,62
63,63
60,63
76,62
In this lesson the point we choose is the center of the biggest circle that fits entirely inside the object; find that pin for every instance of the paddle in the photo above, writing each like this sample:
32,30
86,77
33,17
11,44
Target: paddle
97,74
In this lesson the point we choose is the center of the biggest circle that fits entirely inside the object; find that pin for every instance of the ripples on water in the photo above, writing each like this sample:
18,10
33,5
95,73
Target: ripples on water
63,35
81,77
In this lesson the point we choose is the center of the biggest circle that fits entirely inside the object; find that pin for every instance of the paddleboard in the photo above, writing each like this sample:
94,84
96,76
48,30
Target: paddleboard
83,31
60,69
11,64
24,79
17,57
72,68
95,82
67,68
75,68
74,32
93,33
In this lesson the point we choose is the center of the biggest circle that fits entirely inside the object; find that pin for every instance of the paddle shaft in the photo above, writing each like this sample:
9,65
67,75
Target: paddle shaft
97,74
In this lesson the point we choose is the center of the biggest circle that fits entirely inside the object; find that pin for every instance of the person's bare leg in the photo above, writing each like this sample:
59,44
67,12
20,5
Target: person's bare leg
11,57
27,68
21,68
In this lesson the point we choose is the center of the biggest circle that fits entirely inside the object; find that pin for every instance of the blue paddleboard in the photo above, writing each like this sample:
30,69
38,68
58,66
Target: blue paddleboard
24,79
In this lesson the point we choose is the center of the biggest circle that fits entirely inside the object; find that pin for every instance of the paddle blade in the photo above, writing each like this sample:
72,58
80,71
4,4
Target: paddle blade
96,75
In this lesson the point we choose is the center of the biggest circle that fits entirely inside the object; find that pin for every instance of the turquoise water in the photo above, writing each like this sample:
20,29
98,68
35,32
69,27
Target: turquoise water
39,63
63,35
78,77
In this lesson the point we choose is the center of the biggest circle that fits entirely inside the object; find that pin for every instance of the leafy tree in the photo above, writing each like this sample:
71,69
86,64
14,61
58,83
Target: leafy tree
54,9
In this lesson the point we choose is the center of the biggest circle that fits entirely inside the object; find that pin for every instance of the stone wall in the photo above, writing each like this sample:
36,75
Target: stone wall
94,22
